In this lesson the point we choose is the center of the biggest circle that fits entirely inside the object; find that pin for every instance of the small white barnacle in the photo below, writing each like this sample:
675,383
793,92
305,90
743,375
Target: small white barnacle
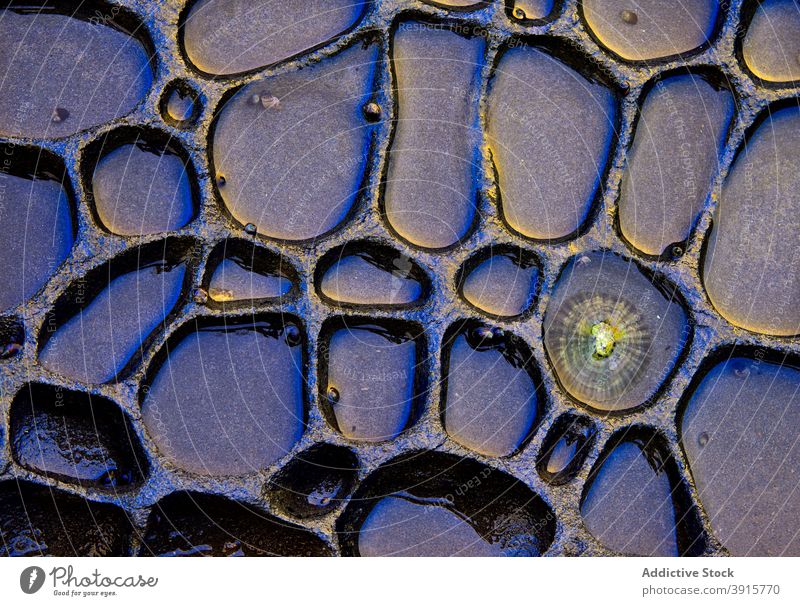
270,102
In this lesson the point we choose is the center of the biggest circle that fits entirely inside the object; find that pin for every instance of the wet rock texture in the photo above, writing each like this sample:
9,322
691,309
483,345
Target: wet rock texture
399,278
738,431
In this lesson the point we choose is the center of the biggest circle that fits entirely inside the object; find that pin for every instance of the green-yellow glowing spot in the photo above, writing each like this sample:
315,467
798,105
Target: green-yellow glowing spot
604,339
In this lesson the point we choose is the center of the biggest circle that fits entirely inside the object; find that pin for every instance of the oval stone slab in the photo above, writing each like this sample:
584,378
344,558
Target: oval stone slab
75,437
228,399
490,400
236,280
38,520
640,30
672,162
302,127
458,4
398,526
628,506
502,285
373,277
314,482
752,265
430,183
95,344
565,448
550,132
525,10
186,524
739,432
370,374
225,37
139,189
771,47
419,504
36,235
62,74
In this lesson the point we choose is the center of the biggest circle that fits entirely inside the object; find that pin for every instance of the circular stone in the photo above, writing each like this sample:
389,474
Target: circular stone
611,335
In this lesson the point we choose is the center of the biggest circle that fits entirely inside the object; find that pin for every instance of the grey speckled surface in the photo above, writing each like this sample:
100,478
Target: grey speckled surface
711,334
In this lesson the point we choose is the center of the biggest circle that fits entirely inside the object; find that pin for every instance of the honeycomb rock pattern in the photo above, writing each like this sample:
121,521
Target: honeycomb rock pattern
553,499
